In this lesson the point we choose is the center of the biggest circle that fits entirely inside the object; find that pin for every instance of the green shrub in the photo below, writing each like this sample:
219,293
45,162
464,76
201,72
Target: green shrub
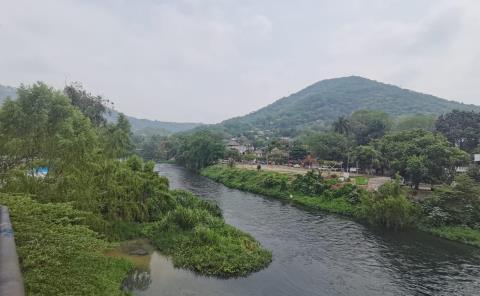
312,183
206,244
205,235
388,207
185,218
457,204
360,180
188,200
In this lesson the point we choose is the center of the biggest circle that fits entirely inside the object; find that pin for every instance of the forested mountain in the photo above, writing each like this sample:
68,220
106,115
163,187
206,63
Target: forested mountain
322,102
144,126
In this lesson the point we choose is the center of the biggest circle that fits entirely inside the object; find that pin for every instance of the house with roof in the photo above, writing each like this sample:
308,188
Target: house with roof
234,144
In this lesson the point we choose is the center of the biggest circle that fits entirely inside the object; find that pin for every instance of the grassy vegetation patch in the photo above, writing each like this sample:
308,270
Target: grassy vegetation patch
59,255
197,238
462,234
361,180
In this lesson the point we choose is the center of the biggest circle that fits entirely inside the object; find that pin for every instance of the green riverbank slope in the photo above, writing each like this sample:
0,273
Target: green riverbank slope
389,207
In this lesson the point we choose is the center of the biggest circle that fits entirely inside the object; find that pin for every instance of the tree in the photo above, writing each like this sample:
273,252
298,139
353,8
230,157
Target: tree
461,128
417,121
200,149
154,148
342,126
329,146
94,107
41,127
388,207
298,151
455,204
118,138
416,169
420,156
368,125
367,157
233,154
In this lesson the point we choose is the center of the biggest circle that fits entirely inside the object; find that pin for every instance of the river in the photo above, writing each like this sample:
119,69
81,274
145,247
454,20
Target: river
315,253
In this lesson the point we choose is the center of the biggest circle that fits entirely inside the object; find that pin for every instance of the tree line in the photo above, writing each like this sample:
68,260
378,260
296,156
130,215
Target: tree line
421,148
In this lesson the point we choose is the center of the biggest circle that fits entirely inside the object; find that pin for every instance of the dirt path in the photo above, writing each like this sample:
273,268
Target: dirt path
274,168
375,182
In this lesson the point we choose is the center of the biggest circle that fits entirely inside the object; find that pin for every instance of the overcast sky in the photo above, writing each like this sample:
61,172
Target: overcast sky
206,61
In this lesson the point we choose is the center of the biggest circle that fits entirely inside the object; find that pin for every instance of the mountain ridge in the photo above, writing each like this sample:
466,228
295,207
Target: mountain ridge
324,101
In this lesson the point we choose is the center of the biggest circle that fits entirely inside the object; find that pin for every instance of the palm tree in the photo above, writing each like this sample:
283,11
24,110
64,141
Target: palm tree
342,126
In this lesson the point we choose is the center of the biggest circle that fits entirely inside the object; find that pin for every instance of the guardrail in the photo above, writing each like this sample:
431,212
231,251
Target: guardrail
11,280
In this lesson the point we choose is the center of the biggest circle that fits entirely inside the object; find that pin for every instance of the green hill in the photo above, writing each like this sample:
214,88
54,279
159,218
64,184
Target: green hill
149,127
322,102
142,126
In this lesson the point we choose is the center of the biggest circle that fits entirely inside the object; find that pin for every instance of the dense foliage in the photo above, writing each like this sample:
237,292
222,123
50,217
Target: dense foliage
91,167
59,254
329,146
198,150
367,125
389,207
420,156
461,128
456,204
416,121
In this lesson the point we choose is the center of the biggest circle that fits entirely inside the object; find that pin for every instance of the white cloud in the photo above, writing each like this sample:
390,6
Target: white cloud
210,60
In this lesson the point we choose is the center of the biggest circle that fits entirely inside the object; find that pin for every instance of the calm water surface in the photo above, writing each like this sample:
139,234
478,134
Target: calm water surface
317,254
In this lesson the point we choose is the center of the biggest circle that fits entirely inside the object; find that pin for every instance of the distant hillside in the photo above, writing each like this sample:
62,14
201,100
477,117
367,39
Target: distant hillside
7,91
141,126
324,101
148,127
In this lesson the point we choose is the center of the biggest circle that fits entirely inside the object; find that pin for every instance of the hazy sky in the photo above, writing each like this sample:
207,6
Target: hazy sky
209,60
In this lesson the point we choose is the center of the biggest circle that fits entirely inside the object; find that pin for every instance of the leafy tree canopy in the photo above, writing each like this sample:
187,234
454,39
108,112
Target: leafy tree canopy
369,124
200,149
420,156
461,128
329,146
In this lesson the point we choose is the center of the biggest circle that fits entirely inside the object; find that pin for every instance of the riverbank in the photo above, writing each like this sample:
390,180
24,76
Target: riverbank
275,184
60,254
355,202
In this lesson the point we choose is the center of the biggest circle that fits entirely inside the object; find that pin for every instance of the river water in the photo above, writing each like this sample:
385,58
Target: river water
317,254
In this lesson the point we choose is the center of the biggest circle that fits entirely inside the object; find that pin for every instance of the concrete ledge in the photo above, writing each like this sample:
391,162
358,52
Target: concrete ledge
11,280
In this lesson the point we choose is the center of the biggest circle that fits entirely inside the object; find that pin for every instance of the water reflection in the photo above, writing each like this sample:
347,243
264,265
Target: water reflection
137,279
320,254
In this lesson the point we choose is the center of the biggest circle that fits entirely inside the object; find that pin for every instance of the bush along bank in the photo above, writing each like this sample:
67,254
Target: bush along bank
195,235
452,212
